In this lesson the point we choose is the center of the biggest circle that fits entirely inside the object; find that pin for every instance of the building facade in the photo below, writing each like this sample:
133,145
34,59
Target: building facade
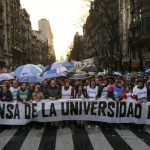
15,29
45,29
39,48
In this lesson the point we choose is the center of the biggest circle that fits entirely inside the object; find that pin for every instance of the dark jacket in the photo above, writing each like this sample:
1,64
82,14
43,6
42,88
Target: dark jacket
54,92
44,90
6,96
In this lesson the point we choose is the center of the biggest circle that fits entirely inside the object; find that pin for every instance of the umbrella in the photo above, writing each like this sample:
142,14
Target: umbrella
52,74
148,71
80,76
65,64
68,65
6,76
28,73
91,69
117,74
40,66
57,69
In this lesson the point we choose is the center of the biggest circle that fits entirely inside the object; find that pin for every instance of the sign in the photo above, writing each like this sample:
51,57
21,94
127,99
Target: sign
102,110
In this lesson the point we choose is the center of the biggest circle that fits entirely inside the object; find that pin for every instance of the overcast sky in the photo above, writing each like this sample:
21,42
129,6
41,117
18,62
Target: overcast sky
64,17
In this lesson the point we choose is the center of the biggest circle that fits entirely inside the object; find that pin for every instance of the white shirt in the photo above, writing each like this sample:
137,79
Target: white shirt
105,91
66,94
14,92
92,93
140,93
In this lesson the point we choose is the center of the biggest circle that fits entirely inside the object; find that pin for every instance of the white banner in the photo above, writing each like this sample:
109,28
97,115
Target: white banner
102,110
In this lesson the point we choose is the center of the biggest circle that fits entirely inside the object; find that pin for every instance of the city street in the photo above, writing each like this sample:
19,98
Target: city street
29,138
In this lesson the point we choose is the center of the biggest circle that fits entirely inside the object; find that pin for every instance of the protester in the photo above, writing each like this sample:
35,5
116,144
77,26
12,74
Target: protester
14,89
92,90
80,92
53,91
44,88
37,95
67,90
128,91
5,93
104,89
31,88
117,91
23,94
140,91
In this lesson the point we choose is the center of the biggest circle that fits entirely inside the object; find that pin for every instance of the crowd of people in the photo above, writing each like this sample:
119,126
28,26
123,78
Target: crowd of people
94,87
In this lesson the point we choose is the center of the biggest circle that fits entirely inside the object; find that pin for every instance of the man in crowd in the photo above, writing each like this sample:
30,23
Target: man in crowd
14,89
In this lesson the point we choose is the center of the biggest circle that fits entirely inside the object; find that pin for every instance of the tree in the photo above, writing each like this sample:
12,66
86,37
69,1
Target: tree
103,34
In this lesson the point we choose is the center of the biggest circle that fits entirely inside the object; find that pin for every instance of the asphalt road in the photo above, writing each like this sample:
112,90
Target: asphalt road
48,138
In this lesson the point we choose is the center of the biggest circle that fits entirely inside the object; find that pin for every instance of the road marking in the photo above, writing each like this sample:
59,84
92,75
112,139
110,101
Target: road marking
33,139
5,136
143,135
17,140
115,140
132,140
98,140
64,139
81,140
48,140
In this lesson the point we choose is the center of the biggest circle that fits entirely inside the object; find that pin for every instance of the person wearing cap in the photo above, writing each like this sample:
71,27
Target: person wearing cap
140,91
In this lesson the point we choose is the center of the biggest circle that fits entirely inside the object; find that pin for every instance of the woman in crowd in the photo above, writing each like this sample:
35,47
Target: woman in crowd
80,92
92,90
128,91
67,91
37,95
5,93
